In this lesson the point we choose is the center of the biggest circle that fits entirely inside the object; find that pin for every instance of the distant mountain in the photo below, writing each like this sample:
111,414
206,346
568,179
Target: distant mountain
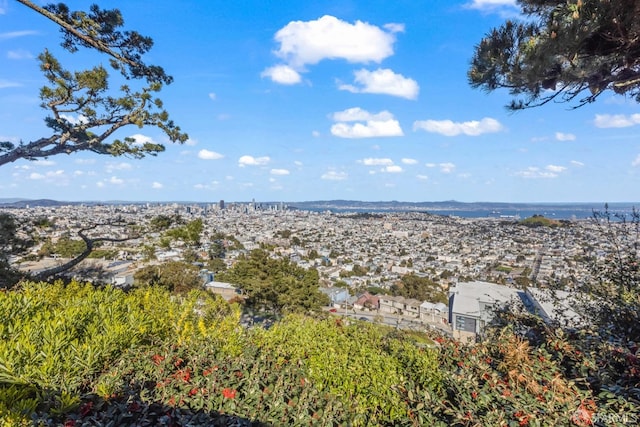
10,200
23,203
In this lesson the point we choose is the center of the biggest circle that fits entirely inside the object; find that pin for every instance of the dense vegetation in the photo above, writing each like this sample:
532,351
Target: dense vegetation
77,355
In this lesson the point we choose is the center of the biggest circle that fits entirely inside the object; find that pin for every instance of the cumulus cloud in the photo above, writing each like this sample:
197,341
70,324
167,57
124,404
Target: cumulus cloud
450,128
115,180
57,176
282,74
309,42
549,171
211,186
209,155
447,167
560,136
357,114
409,161
392,169
333,175
555,168
156,185
375,125
43,162
376,162
76,120
253,161
616,120
279,172
85,161
371,129
636,161
383,81
142,139
110,167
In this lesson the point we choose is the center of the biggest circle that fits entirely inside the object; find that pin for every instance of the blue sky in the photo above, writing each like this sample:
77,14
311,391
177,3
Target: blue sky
288,100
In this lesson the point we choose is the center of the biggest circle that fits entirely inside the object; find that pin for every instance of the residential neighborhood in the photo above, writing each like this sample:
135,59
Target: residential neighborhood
476,263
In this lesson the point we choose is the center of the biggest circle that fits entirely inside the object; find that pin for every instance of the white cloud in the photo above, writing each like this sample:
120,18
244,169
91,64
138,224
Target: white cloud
85,161
549,171
371,129
298,163
422,177
315,134
577,163
383,81
482,4
447,167
36,175
51,175
110,167
19,54
450,128
555,168
282,74
75,120
209,155
43,162
357,114
376,162
392,169
560,136
16,34
156,185
409,161
279,172
636,161
115,180
212,96
328,37
376,125
142,139
253,161
616,120
333,175
211,186
191,142
7,83
394,27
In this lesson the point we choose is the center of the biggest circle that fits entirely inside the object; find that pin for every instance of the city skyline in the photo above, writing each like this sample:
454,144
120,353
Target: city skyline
331,100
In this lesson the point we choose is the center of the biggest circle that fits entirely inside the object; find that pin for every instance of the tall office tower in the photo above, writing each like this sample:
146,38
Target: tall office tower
221,204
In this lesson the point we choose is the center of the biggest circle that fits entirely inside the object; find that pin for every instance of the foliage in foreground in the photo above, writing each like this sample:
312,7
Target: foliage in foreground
77,356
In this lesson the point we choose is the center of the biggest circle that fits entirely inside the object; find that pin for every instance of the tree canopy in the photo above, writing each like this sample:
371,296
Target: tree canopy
562,51
83,113
276,284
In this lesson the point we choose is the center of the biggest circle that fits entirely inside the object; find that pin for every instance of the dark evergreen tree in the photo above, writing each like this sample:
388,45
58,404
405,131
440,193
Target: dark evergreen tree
562,50
101,112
